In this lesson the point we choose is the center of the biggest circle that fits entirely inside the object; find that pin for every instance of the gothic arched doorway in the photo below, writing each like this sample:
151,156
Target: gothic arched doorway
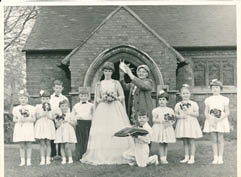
132,56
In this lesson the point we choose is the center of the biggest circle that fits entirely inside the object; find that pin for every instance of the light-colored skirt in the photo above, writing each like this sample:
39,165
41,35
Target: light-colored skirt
23,132
45,129
222,126
103,146
65,134
160,134
188,128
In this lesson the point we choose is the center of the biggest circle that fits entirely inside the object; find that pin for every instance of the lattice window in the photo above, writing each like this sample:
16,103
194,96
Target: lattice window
199,74
206,69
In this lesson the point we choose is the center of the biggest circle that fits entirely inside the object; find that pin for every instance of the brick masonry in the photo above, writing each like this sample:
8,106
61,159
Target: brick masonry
121,29
42,69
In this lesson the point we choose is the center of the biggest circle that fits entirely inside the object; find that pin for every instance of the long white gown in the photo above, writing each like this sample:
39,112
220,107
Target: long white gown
103,147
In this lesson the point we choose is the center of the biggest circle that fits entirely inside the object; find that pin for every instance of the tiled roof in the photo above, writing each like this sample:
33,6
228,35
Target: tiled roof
64,28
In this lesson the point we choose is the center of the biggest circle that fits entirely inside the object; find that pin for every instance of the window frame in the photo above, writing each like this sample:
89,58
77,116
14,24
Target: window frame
220,59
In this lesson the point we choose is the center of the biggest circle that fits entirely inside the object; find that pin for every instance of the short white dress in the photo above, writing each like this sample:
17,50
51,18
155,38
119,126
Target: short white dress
188,127
217,103
160,133
24,131
65,133
44,126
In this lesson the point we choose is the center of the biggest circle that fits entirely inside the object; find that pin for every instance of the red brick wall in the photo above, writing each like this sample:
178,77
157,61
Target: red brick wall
42,70
123,29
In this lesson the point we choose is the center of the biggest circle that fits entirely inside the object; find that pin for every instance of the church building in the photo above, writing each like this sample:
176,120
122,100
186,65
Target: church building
180,44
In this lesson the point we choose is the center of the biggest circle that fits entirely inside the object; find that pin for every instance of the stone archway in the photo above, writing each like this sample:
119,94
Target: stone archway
131,55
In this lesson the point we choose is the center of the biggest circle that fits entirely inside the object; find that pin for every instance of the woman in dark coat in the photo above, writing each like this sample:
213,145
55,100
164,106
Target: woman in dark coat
139,91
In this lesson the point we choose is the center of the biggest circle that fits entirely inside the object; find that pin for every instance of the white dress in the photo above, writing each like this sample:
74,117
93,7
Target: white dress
44,127
54,102
160,133
217,102
24,131
103,146
188,127
139,153
65,133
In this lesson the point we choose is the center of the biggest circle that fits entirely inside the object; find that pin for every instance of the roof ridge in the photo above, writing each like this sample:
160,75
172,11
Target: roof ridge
154,33
66,59
179,56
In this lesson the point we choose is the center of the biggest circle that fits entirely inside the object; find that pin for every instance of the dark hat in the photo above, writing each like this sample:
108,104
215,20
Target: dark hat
163,94
23,93
216,82
43,93
84,90
108,65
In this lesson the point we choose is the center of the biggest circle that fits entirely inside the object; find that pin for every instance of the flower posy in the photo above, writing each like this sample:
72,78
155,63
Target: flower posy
109,97
24,112
46,106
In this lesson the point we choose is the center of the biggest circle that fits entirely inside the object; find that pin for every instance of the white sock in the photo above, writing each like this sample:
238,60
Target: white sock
70,159
28,162
192,157
23,160
215,158
220,158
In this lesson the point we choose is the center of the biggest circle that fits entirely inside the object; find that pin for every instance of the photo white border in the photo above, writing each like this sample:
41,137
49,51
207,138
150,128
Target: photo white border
118,2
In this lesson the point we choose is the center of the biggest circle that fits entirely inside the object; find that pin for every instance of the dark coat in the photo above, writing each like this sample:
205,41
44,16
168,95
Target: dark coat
142,96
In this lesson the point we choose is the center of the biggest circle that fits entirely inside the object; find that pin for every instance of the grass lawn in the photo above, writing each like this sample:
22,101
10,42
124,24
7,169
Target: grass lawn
202,167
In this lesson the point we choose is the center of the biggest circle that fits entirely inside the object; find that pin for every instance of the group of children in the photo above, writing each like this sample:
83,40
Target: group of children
53,120
52,124
187,127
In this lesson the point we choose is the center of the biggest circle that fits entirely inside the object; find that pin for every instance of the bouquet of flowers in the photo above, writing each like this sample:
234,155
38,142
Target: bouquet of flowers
46,106
216,113
24,112
109,97
185,106
169,117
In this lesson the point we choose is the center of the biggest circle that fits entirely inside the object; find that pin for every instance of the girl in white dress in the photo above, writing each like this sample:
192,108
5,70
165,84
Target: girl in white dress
24,118
216,123
44,127
162,130
187,127
109,117
65,133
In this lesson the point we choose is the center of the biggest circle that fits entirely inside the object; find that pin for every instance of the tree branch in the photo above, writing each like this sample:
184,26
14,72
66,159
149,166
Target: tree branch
29,16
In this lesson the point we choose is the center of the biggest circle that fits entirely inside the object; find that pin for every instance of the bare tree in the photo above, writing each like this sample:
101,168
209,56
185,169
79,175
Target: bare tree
18,22
15,20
